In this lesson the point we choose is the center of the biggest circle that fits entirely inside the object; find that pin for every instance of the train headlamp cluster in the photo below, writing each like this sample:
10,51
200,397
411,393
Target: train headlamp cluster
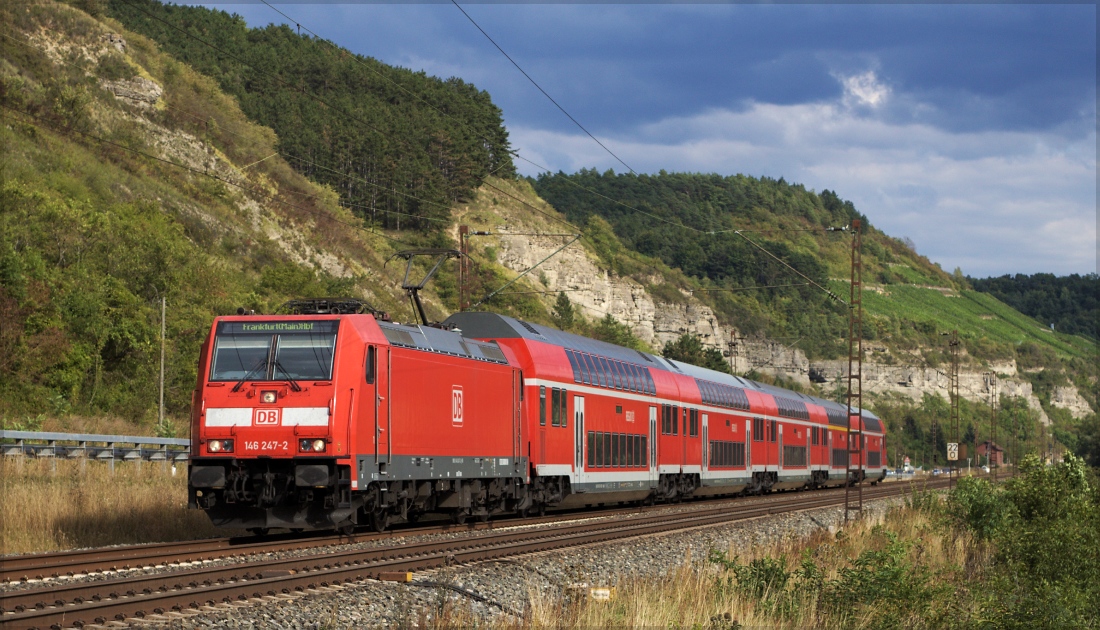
269,397
219,446
311,446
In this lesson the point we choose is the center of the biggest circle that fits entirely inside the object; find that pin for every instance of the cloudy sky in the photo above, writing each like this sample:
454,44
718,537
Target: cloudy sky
969,129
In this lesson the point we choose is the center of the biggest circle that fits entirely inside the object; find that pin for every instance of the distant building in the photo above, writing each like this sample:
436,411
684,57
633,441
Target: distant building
996,453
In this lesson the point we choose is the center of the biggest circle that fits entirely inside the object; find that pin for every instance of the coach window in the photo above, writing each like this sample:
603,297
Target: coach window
593,371
591,449
542,405
635,377
555,407
564,408
607,449
586,378
620,375
757,429
575,365
773,433
675,420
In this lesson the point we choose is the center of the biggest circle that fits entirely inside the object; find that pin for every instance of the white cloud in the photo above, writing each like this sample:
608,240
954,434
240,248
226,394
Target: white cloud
864,89
991,202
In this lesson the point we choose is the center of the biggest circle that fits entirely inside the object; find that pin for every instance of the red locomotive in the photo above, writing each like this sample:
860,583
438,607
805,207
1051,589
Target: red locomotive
331,420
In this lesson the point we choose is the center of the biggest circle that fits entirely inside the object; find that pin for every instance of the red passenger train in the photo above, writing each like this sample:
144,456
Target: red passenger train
337,420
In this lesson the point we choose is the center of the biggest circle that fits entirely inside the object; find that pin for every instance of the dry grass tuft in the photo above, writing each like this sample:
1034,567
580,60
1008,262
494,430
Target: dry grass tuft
708,595
50,505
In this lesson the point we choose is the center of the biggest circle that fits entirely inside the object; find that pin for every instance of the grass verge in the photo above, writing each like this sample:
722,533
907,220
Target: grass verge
50,505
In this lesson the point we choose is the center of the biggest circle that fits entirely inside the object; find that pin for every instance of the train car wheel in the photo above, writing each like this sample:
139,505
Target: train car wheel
379,520
260,531
346,530
459,517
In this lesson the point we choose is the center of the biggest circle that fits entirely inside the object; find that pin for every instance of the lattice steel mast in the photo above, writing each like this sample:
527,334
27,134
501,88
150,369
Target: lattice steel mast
853,488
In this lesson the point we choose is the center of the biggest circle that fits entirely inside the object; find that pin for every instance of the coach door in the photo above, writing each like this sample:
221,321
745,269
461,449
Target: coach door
652,446
378,390
578,442
706,444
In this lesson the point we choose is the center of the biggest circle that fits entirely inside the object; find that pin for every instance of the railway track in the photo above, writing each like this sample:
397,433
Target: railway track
57,566
80,603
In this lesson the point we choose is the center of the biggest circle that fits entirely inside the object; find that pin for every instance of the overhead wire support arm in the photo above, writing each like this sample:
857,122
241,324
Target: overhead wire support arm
485,299
413,289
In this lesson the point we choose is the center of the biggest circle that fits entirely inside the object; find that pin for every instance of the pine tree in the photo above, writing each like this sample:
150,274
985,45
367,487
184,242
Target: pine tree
563,314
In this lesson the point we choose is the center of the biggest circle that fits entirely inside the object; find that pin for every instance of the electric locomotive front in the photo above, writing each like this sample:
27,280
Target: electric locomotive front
263,443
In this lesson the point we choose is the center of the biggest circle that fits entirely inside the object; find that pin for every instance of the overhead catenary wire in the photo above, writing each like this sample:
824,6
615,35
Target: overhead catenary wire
535,83
532,268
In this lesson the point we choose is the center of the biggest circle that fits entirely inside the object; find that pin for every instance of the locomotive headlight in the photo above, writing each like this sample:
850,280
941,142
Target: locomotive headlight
311,446
268,398
219,446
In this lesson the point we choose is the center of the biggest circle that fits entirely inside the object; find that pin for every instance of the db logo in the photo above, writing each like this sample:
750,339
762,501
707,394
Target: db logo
266,417
456,405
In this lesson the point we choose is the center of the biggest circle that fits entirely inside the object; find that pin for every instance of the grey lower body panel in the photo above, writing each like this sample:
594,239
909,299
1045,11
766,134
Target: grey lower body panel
598,492
736,482
792,479
431,467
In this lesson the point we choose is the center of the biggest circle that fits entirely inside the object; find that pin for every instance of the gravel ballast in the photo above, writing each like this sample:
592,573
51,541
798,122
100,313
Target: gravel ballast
506,585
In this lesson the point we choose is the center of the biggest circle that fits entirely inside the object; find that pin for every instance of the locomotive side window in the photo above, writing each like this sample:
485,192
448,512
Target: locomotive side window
372,364
542,405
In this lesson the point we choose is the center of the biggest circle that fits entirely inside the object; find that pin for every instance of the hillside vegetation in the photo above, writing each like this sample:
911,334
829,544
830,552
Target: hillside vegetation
1071,304
126,176
399,146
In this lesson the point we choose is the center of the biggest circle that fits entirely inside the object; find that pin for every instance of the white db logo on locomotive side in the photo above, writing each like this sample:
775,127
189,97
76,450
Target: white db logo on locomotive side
266,417
456,405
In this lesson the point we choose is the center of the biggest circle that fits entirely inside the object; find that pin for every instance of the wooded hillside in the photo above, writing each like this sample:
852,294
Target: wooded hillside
399,146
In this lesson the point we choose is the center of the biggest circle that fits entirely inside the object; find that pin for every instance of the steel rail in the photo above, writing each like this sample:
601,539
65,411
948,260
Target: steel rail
193,589
54,565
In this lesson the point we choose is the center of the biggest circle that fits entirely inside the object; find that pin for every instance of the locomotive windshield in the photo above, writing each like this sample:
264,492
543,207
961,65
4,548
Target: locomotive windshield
274,351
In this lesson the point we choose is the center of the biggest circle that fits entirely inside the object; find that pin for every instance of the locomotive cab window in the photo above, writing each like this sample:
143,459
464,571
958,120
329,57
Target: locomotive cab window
269,351
372,364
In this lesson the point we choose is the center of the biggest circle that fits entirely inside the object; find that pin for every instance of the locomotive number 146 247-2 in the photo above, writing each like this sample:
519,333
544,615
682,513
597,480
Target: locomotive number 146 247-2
266,446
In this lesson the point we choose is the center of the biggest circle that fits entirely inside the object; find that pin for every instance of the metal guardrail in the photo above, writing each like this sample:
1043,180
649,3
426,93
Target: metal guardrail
110,448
